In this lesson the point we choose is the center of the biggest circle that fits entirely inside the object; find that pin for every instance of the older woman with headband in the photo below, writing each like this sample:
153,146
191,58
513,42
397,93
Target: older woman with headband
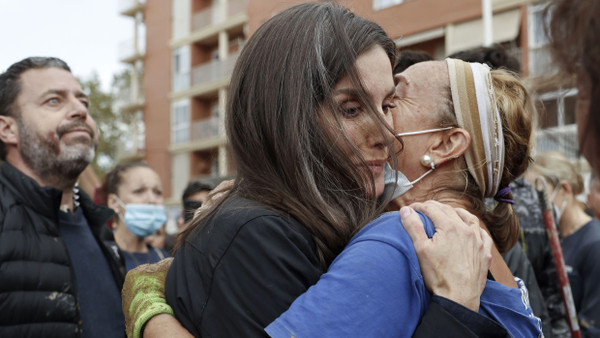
458,122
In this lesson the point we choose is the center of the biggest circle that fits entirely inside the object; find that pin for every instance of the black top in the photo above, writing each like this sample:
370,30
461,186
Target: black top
99,296
519,265
534,241
581,251
241,271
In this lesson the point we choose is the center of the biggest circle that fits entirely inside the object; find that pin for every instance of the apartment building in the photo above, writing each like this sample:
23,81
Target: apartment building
186,51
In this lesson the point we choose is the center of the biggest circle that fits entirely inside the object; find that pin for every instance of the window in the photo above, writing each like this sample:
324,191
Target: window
557,123
540,60
559,108
180,122
181,68
381,4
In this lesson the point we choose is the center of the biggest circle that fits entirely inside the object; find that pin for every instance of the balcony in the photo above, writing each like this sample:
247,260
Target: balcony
205,135
128,103
132,140
131,7
205,79
563,139
213,71
211,15
207,24
205,129
128,52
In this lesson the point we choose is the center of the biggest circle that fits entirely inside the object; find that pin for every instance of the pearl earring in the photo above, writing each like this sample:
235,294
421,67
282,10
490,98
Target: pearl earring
426,161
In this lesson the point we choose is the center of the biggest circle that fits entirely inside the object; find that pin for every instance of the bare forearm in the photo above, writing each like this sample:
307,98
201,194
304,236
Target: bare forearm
163,325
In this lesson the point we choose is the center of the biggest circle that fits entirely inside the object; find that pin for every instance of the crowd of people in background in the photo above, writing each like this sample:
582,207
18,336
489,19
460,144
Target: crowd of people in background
356,133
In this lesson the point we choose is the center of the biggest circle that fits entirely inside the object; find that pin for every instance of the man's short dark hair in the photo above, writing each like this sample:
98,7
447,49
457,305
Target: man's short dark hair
495,56
190,206
194,187
10,84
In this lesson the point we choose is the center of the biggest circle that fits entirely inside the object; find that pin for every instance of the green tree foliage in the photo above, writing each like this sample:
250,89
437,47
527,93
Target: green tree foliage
112,125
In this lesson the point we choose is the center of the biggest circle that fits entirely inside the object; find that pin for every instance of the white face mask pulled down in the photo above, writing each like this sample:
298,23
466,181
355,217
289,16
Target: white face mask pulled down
558,212
396,183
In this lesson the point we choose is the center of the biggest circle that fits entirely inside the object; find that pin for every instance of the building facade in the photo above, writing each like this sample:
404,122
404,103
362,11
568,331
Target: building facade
186,51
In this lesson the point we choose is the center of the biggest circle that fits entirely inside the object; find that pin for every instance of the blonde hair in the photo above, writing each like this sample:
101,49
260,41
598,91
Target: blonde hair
555,167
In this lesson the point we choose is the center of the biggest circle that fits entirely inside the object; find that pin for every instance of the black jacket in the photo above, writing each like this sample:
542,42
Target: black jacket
520,267
38,291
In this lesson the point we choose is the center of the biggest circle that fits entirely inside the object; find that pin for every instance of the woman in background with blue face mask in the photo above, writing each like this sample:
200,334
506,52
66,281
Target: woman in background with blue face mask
134,192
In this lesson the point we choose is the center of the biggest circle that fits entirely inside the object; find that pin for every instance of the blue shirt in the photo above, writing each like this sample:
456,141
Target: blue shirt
133,259
581,252
374,288
98,295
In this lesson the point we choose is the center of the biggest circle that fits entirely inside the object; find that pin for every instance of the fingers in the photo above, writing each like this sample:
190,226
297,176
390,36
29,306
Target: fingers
467,217
222,188
413,225
215,196
471,220
442,215
488,244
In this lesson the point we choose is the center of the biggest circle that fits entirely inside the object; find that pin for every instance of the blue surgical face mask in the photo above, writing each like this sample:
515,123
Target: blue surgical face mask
143,220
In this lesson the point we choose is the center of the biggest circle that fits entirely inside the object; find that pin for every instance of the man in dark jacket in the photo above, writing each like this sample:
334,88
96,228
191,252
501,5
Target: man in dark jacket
58,279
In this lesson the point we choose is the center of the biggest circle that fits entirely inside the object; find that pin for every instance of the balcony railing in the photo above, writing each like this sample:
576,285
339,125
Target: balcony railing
206,128
125,5
210,15
132,144
125,98
563,139
127,48
181,81
214,70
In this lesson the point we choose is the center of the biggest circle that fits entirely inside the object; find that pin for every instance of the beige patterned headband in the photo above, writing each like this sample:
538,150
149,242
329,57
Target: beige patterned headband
477,113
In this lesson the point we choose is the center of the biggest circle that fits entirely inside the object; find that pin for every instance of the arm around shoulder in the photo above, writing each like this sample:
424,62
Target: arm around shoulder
253,273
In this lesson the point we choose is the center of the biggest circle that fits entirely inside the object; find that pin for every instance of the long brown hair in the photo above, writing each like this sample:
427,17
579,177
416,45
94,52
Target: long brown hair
286,154
574,32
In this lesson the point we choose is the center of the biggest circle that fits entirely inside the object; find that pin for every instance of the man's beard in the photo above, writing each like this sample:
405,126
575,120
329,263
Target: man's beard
58,164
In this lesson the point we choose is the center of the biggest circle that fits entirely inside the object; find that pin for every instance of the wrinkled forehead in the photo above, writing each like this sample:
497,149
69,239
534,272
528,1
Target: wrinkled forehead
428,74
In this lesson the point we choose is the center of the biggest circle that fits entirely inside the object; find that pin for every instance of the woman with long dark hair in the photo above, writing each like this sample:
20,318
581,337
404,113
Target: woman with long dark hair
308,120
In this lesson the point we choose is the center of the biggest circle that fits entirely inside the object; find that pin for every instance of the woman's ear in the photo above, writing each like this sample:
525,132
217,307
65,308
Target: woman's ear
452,144
111,202
566,186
